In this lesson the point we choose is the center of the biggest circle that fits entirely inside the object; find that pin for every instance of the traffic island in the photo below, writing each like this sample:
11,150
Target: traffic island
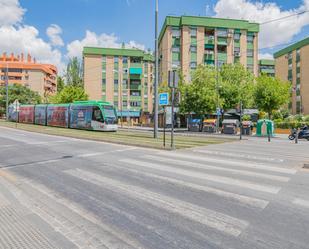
125,137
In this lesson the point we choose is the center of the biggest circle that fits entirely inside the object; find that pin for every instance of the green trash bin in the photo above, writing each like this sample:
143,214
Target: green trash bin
265,127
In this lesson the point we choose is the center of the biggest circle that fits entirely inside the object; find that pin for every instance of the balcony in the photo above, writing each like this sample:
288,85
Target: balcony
222,41
209,39
222,56
209,57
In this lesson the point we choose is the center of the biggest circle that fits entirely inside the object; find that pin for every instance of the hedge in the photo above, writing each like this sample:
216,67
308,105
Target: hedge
290,125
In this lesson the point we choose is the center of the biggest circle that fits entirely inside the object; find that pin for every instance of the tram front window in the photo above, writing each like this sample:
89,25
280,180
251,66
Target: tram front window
109,114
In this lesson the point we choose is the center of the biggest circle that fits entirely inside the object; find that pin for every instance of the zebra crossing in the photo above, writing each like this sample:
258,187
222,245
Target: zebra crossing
201,174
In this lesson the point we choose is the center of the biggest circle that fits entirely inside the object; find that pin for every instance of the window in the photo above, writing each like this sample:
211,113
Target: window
135,93
193,31
250,52
124,60
237,36
135,103
116,59
193,48
103,81
193,64
250,38
175,32
124,103
103,59
115,92
222,32
97,114
176,49
236,50
116,82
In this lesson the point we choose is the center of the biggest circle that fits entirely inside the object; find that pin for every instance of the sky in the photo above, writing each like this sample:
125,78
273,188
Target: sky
54,31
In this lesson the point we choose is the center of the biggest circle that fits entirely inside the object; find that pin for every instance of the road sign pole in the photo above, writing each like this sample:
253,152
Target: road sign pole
7,92
164,125
172,131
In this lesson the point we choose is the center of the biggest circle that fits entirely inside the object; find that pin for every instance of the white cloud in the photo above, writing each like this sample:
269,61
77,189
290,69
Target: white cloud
10,12
54,32
75,48
16,37
26,39
266,56
271,34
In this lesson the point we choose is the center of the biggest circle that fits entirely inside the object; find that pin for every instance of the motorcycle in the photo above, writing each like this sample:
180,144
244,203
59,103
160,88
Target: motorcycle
303,134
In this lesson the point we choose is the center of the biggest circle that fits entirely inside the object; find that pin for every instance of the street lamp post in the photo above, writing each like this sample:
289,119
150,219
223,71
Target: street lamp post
156,74
7,92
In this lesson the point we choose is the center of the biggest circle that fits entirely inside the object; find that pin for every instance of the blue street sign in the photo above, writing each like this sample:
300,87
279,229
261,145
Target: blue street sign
218,111
163,99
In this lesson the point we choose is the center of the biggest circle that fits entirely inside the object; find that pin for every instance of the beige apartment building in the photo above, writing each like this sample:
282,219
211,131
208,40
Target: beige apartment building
188,41
41,78
292,64
121,76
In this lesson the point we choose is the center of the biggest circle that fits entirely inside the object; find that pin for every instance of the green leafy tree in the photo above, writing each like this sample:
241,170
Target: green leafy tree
271,94
60,84
74,73
69,94
200,95
235,84
16,91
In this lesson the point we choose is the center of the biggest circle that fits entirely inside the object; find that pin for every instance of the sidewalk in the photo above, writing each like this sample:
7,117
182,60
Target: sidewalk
19,226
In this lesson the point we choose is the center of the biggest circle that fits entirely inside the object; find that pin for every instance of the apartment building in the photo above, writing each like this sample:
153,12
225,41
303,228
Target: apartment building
292,64
41,78
188,41
120,76
267,67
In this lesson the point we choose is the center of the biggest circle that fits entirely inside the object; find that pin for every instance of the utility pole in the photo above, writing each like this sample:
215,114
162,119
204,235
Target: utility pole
155,133
7,92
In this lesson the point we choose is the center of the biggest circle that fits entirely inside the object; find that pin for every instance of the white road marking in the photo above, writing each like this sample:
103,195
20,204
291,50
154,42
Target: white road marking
212,167
91,154
210,218
301,202
7,146
105,152
238,155
204,176
242,199
228,161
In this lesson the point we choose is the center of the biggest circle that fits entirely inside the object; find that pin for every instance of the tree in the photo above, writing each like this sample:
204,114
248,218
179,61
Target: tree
271,94
69,94
236,84
74,73
60,83
200,95
16,91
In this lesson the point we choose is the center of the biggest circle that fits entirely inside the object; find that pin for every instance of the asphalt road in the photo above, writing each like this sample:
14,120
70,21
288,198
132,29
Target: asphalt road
58,192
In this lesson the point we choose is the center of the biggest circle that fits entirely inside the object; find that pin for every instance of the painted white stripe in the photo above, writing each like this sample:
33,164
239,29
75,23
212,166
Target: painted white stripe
210,218
238,155
301,202
105,152
241,199
204,176
229,161
91,154
218,168
7,146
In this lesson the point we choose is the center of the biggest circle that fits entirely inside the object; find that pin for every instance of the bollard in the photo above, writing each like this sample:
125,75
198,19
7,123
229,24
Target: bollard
296,136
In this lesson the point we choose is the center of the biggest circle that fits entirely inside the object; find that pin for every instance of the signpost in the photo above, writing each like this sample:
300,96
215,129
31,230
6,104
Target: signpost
163,101
173,79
